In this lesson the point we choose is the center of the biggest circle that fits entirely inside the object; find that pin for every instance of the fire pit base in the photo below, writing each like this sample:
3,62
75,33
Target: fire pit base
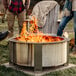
34,69
38,55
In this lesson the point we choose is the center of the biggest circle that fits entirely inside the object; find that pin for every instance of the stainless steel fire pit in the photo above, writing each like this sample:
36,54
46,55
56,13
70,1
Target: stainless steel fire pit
38,55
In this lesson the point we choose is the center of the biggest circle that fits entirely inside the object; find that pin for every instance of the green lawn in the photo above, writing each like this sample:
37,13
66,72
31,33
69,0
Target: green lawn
10,72
4,57
67,72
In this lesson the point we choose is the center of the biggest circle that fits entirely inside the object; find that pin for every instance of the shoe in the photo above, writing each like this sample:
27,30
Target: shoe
3,35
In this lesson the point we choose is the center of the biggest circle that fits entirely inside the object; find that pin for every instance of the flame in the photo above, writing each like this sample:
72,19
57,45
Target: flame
34,35
34,27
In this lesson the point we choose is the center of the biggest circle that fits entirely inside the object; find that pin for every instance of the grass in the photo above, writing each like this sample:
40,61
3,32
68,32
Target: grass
10,72
66,72
4,54
4,57
69,26
72,59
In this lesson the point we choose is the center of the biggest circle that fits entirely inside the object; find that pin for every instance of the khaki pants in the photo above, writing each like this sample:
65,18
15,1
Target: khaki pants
11,19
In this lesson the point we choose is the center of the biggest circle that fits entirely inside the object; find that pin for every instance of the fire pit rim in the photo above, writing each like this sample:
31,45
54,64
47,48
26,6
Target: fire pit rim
56,42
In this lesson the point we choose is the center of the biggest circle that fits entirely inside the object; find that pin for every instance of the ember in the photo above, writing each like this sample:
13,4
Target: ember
33,35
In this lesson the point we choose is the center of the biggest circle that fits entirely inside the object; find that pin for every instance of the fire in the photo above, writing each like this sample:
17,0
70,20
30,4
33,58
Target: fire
33,35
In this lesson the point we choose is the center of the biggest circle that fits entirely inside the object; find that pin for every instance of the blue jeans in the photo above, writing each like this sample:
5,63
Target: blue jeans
63,23
75,25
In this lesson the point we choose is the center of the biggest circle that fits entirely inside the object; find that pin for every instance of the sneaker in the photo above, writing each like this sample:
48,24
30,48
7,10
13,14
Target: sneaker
3,35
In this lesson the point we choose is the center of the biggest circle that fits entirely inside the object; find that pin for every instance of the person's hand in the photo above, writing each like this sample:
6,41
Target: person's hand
66,12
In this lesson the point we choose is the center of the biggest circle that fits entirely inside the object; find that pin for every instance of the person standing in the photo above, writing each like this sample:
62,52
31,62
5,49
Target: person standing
74,12
71,6
16,8
67,16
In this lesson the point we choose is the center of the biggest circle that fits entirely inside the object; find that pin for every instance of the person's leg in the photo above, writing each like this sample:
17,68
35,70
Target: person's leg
74,48
62,24
11,18
21,18
3,17
75,26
